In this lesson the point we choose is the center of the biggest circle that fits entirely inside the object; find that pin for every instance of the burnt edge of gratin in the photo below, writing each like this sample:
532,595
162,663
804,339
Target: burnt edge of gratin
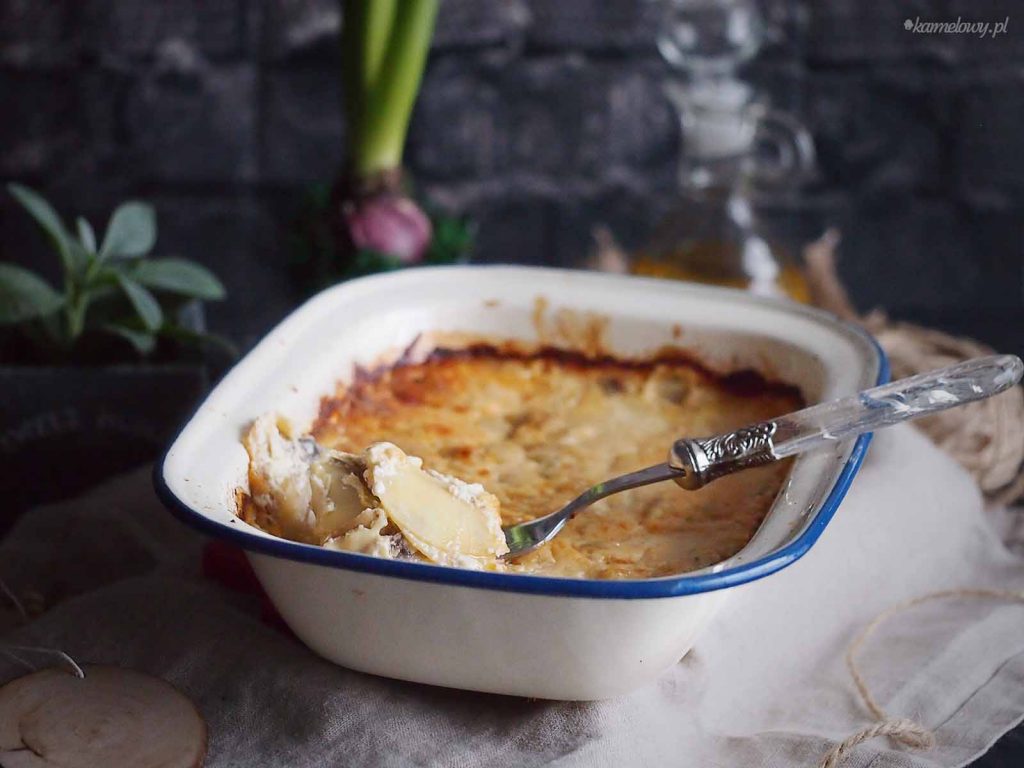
743,382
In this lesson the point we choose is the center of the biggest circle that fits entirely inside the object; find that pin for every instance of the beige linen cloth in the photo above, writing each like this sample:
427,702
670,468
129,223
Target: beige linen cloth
765,686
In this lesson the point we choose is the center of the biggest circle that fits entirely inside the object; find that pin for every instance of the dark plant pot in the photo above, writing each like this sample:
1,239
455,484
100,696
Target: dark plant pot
64,429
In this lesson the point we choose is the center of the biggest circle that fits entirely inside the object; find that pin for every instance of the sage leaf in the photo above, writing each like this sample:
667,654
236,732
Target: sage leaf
145,304
197,338
86,235
25,296
131,232
47,218
143,341
185,278
79,256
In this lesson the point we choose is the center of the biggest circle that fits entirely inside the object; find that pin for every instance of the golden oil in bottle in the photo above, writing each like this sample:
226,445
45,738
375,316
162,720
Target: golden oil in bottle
707,263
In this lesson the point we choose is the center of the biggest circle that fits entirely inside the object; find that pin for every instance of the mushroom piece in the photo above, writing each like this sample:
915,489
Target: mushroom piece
112,716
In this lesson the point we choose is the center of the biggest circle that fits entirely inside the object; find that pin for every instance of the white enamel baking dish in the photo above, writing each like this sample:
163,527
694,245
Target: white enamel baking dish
504,633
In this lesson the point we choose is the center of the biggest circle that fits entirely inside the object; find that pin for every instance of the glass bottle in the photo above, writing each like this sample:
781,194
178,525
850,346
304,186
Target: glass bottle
735,151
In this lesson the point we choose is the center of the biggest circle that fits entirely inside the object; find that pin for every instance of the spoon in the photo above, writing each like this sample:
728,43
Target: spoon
694,462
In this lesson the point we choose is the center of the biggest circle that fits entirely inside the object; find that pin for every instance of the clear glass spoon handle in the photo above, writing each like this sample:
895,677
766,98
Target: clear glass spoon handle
701,460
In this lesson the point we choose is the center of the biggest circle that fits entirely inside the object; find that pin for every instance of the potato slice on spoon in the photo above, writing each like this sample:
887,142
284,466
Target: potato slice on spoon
447,520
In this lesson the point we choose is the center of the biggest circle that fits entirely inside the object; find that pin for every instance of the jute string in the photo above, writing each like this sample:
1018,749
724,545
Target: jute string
17,653
901,730
985,436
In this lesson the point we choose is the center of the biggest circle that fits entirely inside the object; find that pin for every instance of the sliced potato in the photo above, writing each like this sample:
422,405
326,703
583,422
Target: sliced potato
346,501
311,493
367,536
111,717
447,520
279,476
339,494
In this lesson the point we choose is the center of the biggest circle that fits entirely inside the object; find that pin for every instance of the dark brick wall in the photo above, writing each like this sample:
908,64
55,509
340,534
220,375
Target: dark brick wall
540,118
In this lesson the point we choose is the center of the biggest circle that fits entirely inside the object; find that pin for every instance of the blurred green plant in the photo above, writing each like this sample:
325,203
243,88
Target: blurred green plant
110,287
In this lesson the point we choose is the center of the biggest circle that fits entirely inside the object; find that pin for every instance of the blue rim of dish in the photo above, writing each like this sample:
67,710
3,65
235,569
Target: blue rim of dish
634,589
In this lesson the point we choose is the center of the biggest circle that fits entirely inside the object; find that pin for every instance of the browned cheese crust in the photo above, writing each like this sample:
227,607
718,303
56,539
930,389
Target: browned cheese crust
538,428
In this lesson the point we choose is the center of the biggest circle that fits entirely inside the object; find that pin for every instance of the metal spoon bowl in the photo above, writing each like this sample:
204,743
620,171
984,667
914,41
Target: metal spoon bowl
694,462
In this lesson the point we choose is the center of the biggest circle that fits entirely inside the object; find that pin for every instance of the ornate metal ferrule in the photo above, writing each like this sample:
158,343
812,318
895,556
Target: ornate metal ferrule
704,459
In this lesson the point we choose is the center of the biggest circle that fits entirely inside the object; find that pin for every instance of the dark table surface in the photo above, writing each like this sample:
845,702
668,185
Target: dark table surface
1008,752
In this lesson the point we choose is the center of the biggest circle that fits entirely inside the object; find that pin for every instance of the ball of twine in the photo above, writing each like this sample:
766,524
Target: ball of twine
985,437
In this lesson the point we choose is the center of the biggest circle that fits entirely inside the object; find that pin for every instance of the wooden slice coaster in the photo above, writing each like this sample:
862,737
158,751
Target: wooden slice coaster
112,717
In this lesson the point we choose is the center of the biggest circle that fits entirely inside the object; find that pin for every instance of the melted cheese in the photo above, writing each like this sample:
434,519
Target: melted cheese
536,431
381,503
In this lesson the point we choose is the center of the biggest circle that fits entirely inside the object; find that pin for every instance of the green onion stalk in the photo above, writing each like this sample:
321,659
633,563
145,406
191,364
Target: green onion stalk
384,51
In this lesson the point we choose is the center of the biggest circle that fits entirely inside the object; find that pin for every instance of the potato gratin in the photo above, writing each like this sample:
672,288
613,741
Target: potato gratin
397,463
